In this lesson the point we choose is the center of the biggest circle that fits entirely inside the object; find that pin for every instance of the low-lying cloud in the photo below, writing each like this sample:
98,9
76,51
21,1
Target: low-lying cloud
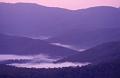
49,65
33,58
68,46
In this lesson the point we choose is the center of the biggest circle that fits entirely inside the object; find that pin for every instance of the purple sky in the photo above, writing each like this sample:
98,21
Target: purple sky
71,4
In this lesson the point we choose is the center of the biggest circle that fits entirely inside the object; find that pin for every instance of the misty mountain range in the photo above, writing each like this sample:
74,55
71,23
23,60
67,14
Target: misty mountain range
26,46
33,35
83,28
37,36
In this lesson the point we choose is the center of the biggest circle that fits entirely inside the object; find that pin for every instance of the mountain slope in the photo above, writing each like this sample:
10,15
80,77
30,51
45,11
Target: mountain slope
27,46
26,18
101,53
31,19
88,38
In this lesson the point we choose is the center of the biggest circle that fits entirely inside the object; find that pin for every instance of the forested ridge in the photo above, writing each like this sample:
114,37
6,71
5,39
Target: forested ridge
104,70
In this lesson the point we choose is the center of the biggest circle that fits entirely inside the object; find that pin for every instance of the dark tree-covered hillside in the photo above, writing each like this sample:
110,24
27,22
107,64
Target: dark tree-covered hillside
105,70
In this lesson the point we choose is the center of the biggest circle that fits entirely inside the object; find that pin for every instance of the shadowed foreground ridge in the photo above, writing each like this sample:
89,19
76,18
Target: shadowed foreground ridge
104,70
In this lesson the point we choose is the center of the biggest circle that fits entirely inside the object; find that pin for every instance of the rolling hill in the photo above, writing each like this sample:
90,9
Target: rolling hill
88,39
28,46
101,53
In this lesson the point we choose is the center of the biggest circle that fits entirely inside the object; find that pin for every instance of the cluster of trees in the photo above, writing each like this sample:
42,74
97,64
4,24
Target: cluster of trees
105,70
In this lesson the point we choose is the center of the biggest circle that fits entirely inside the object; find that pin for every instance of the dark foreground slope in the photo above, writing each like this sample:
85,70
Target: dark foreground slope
101,53
28,46
104,70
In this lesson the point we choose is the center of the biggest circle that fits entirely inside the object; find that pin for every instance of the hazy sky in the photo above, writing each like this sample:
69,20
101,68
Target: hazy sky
71,4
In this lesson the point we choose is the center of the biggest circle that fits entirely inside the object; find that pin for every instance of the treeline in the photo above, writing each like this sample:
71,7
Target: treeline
107,70
14,61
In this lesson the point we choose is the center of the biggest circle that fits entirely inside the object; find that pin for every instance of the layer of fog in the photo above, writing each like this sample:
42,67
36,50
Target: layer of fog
48,65
33,58
38,61
68,46
40,37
